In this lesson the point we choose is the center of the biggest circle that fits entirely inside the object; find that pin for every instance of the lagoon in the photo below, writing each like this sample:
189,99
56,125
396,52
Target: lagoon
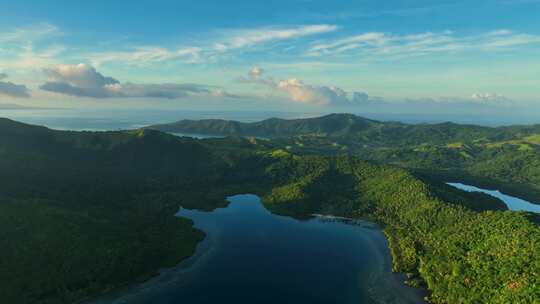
253,256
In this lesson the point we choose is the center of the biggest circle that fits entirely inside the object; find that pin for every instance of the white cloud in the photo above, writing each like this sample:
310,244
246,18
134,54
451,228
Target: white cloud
246,38
84,81
255,75
298,91
500,32
29,47
360,97
489,97
256,72
228,40
373,38
35,47
29,34
79,75
145,55
384,45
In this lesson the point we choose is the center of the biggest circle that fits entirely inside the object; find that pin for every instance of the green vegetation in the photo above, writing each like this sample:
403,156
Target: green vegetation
84,212
57,254
331,125
460,255
506,157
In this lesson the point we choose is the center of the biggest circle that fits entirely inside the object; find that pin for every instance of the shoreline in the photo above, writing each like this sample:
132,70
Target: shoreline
395,280
399,279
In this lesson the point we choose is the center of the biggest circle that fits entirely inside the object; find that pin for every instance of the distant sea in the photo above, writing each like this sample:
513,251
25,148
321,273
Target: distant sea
100,120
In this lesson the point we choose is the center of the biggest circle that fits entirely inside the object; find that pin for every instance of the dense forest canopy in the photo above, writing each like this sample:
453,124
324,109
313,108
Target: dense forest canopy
507,158
86,212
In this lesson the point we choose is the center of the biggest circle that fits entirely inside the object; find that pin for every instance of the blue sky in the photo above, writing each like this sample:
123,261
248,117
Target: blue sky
303,54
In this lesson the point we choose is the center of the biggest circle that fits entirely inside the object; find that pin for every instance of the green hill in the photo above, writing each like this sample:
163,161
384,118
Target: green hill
331,125
507,158
460,255
86,212
350,126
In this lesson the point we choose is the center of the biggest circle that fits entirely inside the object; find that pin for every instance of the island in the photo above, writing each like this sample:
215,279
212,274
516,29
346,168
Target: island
83,213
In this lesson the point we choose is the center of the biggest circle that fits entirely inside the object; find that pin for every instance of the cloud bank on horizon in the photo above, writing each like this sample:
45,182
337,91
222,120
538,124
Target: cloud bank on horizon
82,80
10,89
320,54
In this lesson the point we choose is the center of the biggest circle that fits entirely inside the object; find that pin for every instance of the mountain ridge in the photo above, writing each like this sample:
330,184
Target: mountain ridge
334,125
271,127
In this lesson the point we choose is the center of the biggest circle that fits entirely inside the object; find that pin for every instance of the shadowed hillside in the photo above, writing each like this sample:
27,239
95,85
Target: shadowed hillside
86,212
507,158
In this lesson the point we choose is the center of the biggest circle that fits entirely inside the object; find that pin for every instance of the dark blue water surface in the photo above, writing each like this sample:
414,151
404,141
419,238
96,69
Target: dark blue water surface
253,256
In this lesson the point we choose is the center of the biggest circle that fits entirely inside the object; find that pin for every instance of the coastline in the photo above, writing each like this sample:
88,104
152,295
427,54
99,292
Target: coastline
398,279
102,296
169,275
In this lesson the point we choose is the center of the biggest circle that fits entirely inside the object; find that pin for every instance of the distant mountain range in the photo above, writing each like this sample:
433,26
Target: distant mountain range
349,125
333,124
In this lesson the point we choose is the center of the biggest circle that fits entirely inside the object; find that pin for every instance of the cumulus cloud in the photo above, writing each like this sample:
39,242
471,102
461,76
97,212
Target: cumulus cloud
489,97
12,90
301,92
256,72
79,80
80,75
84,81
256,75
360,97
68,89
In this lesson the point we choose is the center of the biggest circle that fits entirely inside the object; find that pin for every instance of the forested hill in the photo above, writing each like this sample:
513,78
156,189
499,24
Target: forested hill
85,212
506,158
348,125
333,124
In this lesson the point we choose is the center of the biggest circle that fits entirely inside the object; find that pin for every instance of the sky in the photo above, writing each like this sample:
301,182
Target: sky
359,56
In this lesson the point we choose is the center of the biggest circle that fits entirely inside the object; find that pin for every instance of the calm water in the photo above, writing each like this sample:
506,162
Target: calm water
253,256
512,202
